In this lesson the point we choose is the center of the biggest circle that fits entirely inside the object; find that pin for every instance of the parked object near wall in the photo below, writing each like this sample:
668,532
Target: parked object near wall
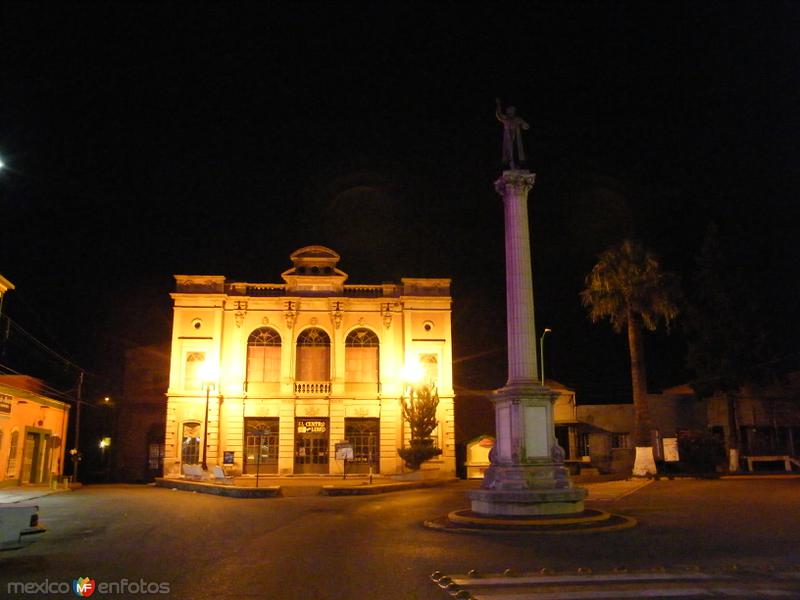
19,525
478,451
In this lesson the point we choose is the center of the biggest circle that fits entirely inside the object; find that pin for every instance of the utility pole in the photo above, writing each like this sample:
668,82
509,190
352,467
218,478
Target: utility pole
76,455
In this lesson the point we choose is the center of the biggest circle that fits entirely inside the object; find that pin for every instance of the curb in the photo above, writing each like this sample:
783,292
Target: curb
613,523
29,498
231,491
381,488
762,476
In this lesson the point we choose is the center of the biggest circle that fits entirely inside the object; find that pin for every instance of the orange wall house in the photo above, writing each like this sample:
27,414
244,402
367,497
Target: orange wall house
32,432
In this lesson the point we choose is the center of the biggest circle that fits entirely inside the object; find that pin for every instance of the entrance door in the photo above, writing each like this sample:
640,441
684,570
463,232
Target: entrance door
562,435
311,445
261,445
363,435
47,444
31,459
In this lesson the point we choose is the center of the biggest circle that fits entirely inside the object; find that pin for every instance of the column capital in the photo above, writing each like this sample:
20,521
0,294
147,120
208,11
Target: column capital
515,182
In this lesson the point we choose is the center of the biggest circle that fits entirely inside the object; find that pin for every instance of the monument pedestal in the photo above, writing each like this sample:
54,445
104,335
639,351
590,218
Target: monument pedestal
527,476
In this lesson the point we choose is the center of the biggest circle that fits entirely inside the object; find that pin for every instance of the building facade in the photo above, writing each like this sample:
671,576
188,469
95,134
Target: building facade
139,424
269,377
767,417
33,428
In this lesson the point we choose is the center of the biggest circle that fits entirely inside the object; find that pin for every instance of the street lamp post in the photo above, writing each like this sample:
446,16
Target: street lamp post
208,386
541,349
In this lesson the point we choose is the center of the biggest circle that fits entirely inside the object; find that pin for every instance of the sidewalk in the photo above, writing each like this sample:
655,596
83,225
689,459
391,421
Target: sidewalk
26,493
328,485
301,485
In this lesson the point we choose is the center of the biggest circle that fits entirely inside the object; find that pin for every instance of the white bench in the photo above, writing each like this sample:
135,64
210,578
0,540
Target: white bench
218,476
194,472
787,461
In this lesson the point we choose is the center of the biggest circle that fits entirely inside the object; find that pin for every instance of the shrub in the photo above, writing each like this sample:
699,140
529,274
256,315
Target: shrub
419,410
417,452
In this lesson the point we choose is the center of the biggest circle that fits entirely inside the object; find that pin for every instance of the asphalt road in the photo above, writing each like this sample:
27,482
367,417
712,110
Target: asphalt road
376,546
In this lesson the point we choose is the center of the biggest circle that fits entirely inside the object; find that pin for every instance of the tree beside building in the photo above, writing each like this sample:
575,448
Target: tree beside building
628,287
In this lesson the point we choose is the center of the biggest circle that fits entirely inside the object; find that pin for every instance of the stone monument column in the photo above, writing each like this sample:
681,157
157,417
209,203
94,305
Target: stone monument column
527,475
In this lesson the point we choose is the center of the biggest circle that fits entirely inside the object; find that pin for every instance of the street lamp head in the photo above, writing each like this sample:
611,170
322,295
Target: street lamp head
209,372
541,350
411,373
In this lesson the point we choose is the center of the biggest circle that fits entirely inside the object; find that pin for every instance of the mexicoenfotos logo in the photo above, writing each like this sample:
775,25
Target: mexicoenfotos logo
83,587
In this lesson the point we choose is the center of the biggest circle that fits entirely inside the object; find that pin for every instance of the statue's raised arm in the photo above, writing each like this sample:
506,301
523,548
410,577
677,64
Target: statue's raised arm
512,137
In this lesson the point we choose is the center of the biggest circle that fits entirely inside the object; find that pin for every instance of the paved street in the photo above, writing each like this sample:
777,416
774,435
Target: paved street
376,547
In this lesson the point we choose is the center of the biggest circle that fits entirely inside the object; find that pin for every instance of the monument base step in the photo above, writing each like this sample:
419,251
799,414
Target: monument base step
527,502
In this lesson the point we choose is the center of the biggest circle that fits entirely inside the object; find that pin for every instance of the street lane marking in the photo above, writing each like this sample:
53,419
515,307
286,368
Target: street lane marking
610,491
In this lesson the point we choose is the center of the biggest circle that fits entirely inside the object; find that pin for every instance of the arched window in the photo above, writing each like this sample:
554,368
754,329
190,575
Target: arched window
430,369
313,355
190,445
361,356
11,469
193,373
264,355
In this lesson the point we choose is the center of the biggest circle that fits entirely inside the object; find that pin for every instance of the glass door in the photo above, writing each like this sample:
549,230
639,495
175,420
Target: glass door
311,445
261,445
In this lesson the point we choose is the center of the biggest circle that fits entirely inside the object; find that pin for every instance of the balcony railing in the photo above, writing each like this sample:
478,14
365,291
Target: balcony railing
266,290
363,291
312,388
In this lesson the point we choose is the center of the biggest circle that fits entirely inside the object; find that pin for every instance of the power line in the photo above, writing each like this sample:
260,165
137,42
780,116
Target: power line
51,391
41,345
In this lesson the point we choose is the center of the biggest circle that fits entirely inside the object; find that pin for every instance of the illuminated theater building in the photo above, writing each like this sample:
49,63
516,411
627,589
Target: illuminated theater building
269,377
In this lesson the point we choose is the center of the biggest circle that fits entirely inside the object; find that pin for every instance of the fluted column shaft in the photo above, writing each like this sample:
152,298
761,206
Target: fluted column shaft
514,186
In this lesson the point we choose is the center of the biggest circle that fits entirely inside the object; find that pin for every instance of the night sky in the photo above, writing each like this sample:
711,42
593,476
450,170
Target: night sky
147,140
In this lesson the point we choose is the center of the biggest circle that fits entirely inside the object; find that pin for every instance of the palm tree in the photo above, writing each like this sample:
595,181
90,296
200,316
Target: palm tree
628,287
